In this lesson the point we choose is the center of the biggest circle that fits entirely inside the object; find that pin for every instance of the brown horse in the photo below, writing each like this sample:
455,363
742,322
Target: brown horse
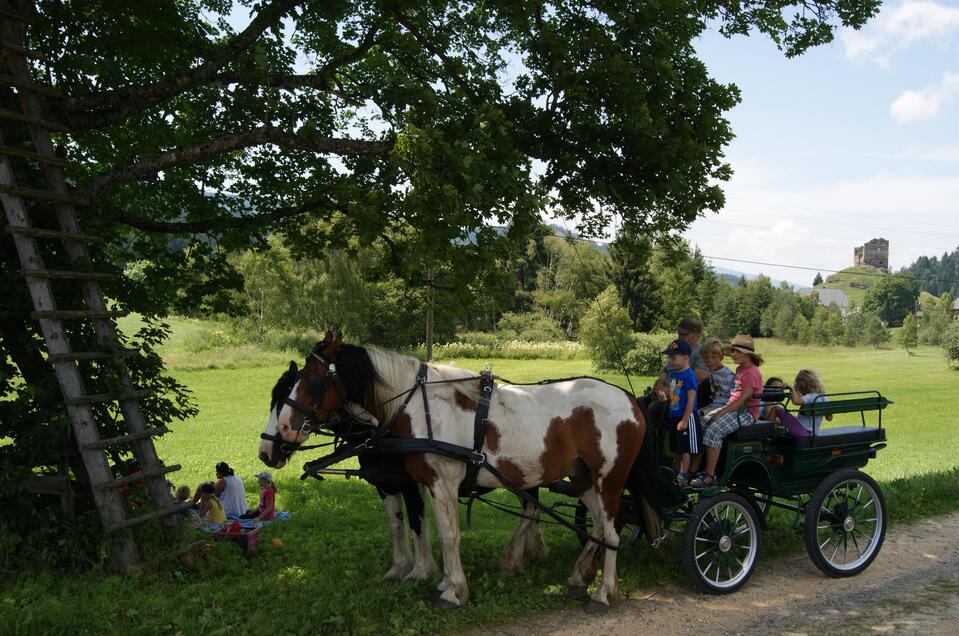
583,429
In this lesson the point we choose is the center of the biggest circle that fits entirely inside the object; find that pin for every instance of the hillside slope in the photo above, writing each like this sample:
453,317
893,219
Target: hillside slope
854,281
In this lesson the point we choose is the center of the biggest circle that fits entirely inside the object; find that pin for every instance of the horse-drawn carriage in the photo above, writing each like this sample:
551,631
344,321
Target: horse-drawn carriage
838,510
584,438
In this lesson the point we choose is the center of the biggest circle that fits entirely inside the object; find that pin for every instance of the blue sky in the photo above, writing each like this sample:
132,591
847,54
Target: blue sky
851,141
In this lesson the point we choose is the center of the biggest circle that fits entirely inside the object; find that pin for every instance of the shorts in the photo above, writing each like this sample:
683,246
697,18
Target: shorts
687,441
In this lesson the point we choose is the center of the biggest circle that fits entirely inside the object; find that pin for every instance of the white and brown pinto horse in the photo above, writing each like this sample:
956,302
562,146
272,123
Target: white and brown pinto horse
583,428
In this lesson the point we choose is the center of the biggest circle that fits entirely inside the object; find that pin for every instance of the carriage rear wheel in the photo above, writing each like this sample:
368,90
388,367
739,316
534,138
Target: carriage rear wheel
845,523
721,543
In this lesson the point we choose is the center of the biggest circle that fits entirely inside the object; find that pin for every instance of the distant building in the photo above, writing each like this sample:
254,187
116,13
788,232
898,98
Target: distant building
874,253
955,309
829,297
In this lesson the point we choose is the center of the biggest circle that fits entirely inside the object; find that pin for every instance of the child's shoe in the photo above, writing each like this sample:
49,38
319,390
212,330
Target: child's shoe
682,480
705,481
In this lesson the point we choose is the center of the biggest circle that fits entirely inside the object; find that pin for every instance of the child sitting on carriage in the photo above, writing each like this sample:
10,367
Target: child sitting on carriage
805,390
741,410
684,433
721,377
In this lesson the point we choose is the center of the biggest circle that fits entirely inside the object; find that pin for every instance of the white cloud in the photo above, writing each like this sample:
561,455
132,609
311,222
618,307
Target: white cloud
899,26
925,103
819,225
948,153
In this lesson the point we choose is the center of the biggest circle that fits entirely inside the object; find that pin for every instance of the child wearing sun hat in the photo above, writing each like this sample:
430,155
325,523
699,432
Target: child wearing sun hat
741,410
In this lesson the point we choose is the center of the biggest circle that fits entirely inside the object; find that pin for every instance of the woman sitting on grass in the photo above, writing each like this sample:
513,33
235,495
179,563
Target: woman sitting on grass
211,510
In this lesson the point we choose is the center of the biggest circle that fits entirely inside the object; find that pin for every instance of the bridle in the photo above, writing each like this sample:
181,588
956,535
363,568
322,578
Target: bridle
310,422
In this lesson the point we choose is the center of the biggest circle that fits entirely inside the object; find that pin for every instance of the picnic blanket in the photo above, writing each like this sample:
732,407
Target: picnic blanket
244,523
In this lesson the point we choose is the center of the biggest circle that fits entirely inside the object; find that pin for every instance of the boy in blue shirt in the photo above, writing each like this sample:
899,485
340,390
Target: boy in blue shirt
684,429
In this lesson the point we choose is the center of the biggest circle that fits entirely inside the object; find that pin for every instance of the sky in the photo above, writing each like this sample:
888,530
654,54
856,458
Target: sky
848,142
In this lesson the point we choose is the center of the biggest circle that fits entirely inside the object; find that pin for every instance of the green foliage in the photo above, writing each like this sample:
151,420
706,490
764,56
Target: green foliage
908,336
936,317
533,326
632,273
950,344
874,331
935,275
646,356
817,280
892,298
606,331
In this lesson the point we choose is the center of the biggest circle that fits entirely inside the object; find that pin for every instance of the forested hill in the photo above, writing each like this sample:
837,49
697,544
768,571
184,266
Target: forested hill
936,275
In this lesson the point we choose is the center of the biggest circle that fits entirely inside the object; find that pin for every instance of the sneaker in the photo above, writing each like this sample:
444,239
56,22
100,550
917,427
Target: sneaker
682,480
705,481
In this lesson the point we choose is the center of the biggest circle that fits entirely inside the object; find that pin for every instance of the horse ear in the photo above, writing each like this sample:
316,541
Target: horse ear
293,368
337,342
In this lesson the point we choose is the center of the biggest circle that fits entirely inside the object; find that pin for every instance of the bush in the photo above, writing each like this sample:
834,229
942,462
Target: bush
646,357
606,331
533,326
950,344
485,348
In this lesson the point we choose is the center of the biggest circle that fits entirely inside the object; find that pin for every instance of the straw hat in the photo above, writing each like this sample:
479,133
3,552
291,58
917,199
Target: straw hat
744,344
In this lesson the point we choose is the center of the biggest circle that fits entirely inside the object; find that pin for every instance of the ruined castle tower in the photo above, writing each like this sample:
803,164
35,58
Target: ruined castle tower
874,253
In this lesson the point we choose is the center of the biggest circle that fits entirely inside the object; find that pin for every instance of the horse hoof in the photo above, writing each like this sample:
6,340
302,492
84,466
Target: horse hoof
576,591
595,607
442,603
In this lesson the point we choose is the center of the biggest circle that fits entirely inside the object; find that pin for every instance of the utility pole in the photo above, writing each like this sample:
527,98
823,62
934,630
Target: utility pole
430,294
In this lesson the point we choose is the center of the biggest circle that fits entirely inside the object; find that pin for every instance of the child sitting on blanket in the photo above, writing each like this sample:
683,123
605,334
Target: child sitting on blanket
266,511
211,510
806,388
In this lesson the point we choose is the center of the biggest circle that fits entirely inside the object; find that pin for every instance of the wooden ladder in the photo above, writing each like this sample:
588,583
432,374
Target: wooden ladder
38,278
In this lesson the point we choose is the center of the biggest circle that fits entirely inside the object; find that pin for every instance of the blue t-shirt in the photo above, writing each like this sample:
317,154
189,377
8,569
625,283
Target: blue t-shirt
680,383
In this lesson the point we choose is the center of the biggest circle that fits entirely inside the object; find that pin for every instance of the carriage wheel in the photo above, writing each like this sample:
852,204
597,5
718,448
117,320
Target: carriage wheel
721,543
845,523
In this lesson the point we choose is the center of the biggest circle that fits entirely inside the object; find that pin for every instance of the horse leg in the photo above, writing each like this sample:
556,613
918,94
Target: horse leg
608,591
402,558
453,590
584,571
424,566
526,542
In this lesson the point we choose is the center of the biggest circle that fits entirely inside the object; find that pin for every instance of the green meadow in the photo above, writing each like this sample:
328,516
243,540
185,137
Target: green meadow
326,576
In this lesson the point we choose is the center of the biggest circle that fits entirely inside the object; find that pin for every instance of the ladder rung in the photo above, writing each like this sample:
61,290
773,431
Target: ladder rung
138,476
27,85
7,13
33,121
76,314
43,195
91,355
125,439
16,48
32,156
96,398
35,232
59,274
150,516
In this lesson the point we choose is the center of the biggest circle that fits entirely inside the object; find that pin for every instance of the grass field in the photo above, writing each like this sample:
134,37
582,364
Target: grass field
326,577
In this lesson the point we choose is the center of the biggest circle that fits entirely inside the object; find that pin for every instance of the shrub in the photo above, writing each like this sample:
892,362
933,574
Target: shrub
515,349
646,357
606,331
533,326
950,344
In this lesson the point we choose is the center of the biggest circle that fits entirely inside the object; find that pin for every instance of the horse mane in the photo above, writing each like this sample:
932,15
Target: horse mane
283,386
359,376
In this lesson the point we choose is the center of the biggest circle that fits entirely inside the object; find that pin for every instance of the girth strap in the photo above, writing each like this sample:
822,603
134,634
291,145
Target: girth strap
479,431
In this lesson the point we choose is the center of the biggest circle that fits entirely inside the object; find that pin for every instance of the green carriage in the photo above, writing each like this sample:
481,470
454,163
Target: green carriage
838,510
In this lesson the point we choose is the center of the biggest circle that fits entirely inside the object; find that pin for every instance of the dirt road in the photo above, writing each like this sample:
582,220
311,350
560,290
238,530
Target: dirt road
911,588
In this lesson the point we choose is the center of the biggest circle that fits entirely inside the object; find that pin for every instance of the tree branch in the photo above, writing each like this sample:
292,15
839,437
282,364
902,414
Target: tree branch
188,227
447,61
237,141
96,110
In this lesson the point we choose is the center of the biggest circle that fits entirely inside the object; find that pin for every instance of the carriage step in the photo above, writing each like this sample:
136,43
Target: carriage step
33,121
140,476
10,15
76,314
75,356
23,153
19,50
107,442
43,195
96,398
35,232
150,516
26,85
59,274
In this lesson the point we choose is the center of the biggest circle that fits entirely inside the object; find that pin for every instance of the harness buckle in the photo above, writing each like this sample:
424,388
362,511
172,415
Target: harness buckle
477,458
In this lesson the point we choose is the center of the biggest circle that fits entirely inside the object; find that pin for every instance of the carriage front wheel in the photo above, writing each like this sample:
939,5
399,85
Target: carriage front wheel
721,543
845,523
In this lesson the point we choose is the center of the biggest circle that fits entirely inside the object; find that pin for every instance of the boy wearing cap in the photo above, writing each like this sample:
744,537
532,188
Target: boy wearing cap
741,410
266,511
684,431
690,330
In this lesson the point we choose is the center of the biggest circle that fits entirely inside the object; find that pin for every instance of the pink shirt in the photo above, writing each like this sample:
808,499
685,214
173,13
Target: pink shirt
750,377
268,503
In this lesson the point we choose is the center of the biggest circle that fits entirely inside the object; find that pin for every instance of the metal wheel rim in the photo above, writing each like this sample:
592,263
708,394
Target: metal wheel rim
852,501
727,568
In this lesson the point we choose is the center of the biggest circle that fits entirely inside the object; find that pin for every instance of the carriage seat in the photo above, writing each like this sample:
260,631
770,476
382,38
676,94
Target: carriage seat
760,430
838,436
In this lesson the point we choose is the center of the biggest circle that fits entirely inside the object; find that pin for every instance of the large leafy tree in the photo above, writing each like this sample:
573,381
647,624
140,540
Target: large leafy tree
413,126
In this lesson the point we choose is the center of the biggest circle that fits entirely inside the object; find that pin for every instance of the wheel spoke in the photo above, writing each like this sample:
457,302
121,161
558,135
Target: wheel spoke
705,540
828,539
836,551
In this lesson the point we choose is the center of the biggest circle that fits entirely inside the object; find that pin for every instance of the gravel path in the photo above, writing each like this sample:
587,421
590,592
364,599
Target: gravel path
911,588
